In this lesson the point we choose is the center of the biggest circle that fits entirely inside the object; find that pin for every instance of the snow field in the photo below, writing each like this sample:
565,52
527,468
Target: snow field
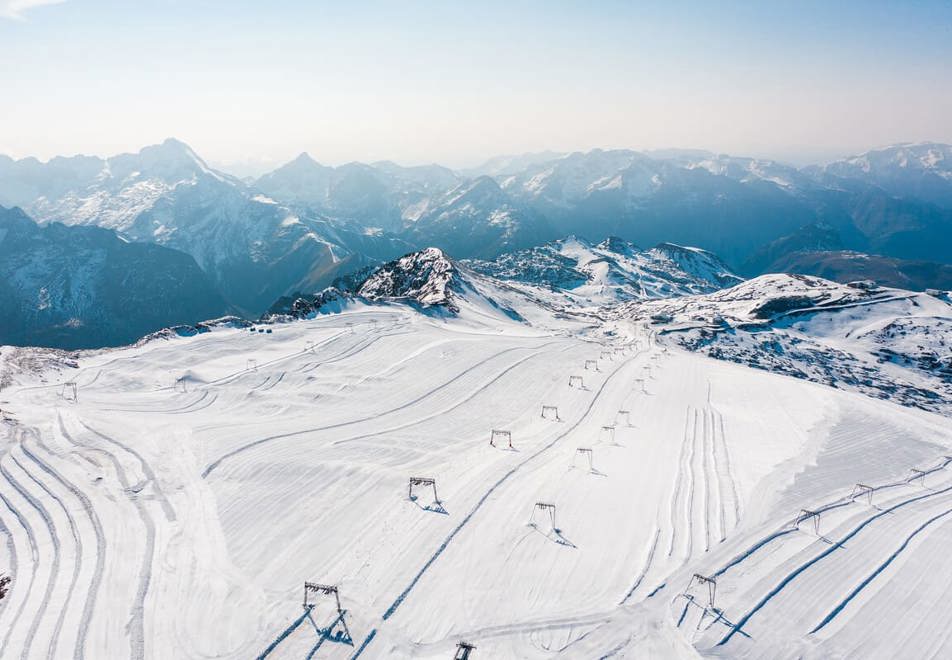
155,519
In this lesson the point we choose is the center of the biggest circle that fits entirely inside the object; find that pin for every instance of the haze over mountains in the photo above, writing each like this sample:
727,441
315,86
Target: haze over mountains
303,225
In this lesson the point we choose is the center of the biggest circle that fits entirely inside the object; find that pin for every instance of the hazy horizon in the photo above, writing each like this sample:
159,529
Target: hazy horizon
252,86
251,165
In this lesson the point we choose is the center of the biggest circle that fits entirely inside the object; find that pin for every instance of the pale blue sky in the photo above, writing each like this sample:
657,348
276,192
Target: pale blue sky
457,82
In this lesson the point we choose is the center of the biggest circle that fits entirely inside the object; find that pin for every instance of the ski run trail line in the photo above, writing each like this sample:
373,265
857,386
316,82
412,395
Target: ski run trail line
453,406
679,483
136,625
482,500
214,465
823,508
77,553
34,554
836,545
879,569
54,564
96,581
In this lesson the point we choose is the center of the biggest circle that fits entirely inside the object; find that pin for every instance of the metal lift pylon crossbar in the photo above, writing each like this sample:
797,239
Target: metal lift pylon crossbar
500,434
324,589
463,650
422,481
807,514
711,583
545,507
69,388
862,489
587,452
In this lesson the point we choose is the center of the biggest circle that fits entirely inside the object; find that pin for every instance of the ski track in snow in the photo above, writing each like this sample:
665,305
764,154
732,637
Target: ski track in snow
95,517
692,479
647,566
415,422
719,482
679,481
879,569
77,554
261,441
730,481
144,466
34,557
833,547
135,626
439,551
96,580
54,561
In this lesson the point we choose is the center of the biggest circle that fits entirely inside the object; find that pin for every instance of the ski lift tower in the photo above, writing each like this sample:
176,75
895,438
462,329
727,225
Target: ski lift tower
862,489
321,589
423,481
501,435
544,507
711,583
550,412
69,391
463,651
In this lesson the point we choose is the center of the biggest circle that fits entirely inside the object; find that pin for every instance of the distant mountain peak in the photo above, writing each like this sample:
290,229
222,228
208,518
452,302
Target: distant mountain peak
304,159
481,184
619,245
170,161
427,277
174,148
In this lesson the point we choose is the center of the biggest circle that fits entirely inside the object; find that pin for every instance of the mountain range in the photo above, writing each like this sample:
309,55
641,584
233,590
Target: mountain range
83,287
305,224
569,276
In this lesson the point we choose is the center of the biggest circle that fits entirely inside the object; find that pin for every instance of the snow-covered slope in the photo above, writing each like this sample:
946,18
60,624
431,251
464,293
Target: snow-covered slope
177,500
611,271
886,343
427,279
478,219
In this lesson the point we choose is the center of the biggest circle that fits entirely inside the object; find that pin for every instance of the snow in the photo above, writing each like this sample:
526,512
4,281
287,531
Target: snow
177,506
577,273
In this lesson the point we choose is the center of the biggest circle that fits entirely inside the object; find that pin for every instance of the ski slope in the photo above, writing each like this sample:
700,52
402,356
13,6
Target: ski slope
176,508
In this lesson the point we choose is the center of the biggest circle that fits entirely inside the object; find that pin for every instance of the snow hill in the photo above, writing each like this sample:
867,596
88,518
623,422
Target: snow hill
887,343
428,280
557,485
613,270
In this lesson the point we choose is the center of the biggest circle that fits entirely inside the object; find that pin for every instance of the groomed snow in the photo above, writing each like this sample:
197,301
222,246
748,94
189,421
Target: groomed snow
176,508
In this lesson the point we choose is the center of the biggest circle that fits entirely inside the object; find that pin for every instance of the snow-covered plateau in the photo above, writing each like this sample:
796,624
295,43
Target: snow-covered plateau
466,459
